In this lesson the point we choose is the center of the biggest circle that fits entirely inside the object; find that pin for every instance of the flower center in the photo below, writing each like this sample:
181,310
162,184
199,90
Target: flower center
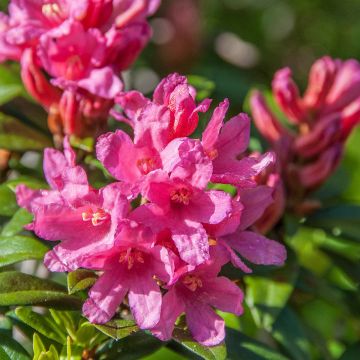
213,154
74,67
131,257
181,196
146,165
52,11
212,241
96,218
192,282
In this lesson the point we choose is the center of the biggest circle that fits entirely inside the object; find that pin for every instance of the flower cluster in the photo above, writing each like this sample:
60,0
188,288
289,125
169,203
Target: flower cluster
160,233
81,46
310,148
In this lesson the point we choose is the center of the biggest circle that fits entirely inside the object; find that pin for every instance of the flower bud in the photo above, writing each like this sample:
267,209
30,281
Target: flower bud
287,95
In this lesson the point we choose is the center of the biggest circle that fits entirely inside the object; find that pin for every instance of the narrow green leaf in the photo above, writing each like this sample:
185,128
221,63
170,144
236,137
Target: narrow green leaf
80,280
266,298
240,346
38,346
8,204
118,329
289,332
342,220
18,248
11,348
52,354
184,338
43,324
16,136
21,218
133,347
22,289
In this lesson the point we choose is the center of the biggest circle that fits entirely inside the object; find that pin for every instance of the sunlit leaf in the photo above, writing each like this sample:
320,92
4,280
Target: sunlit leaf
184,339
80,280
22,289
18,248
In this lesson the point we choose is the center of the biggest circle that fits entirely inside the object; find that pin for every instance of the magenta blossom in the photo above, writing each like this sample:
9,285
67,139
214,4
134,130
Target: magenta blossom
133,266
224,143
175,106
181,202
72,204
197,293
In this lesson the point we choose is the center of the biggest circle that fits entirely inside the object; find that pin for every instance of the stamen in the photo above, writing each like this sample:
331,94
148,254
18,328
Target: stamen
74,67
213,154
146,165
212,242
52,11
131,257
192,282
181,196
96,218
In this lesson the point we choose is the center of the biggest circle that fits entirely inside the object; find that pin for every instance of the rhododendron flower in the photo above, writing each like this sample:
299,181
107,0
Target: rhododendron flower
165,251
173,101
197,293
225,142
323,119
72,204
133,266
82,46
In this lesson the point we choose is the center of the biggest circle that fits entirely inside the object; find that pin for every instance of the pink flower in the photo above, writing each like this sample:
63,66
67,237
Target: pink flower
224,143
67,53
72,204
138,162
197,293
133,266
173,101
180,202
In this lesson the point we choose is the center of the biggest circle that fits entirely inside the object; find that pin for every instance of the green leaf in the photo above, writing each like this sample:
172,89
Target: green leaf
240,346
10,83
80,280
289,332
8,204
10,349
266,298
16,136
21,218
18,248
38,346
184,339
43,324
132,347
71,351
338,220
22,289
204,87
52,354
118,329
352,352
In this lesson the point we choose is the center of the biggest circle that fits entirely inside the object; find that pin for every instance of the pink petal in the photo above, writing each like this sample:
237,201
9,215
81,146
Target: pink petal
234,137
102,82
185,159
210,207
255,201
105,296
171,309
257,248
145,300
191,241
110,150
224,295
205,325
212,131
